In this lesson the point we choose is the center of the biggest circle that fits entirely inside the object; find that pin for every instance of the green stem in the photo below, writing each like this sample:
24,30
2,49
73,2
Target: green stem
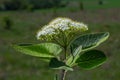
63,74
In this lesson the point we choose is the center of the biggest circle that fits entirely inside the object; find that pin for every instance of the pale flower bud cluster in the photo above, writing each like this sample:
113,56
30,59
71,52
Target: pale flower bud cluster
58,25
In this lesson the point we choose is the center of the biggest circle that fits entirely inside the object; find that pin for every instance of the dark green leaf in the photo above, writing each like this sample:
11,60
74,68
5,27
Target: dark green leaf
89,41
91,59
56,64
46,50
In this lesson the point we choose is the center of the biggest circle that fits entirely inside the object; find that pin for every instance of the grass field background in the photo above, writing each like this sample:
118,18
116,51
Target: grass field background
99,18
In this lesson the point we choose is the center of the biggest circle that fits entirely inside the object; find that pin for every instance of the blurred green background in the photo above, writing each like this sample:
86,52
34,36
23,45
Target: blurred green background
21,19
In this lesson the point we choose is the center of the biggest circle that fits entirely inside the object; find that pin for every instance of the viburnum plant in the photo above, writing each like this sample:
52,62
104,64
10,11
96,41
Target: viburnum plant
63,45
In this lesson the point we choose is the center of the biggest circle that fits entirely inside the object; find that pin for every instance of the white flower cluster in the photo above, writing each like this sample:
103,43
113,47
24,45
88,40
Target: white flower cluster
60,24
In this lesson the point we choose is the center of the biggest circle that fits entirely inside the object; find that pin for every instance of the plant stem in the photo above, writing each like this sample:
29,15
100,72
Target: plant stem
63,74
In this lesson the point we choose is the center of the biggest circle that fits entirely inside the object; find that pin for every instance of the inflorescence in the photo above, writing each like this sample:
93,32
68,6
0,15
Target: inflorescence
58,26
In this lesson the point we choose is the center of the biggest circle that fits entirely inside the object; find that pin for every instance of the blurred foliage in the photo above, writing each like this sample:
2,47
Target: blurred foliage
100,2
81,5
31,4
7,23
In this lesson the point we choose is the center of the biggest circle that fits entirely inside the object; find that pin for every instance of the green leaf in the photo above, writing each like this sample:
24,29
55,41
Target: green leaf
44,50
72,59
56,64
91,59
89,41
